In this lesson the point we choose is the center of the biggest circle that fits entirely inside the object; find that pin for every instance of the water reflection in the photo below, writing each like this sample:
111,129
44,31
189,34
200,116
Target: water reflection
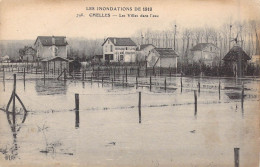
15,121
50,87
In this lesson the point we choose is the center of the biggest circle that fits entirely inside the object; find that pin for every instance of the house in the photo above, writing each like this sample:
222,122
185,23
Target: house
51,46
28,53
206,53
143,51
162,57
237,59
119,50
52,51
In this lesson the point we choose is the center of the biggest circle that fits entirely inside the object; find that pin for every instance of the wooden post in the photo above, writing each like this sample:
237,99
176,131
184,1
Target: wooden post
44,76
14,91
219,90
77,110
139,108
65,74
242,96
236,157
126,75
199,86
150,83
136,82
138,71
170,72
153,71
112,82
123,80
82,75
36,70
91,78
24,75
165,84
195,102
3,75
58,71
77,101
181,82
102,81
114,74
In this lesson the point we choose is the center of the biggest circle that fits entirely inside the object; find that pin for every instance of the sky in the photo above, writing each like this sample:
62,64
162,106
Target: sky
27,19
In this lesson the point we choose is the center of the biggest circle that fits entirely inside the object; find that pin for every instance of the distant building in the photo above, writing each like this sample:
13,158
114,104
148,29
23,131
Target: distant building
237,59
5,59
143,51
52,51
255,60
162,57
51,46
28,53
119,50
206,53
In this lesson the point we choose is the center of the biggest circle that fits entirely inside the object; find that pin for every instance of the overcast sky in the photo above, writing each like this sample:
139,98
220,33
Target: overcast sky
27,19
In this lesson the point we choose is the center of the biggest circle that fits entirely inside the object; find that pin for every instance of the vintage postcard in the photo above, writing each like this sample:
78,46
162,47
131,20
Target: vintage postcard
137,83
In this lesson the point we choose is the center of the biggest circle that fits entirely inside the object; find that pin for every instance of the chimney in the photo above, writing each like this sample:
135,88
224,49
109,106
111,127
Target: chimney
114,40
53,40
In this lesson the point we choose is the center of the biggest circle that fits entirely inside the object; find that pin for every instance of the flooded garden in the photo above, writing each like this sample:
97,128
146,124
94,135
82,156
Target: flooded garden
115,125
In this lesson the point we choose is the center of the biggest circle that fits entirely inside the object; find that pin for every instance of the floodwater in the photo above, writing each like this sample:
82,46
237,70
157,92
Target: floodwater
107,131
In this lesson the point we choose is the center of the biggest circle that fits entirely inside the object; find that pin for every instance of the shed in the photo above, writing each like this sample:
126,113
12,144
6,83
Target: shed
162,57
237,59
55,63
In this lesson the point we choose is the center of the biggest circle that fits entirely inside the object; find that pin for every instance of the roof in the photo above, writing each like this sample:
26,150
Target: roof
144,46
166,52
120,41
234,54
201,46
54,58
47,40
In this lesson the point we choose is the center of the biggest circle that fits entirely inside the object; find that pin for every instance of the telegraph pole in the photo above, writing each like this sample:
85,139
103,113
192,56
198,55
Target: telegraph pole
174,36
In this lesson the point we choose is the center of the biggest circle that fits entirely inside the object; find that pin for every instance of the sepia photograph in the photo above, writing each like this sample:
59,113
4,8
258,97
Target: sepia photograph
148,83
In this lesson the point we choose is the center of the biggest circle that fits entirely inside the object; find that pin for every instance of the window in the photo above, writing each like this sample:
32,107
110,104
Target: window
121,57
108,41
111,48
111,57
106,48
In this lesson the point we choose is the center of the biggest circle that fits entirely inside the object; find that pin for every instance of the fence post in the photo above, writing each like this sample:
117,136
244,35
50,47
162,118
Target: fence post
65,74
123,80
219,90
24,75
114,74
36,70
112,82
150,83
82,75
77,110
242,96
102,80
165,84
126,75
195,102
4,75
44,76
236,157
153,71
181,82
139,108
14,91
136,82
138,71
199,86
